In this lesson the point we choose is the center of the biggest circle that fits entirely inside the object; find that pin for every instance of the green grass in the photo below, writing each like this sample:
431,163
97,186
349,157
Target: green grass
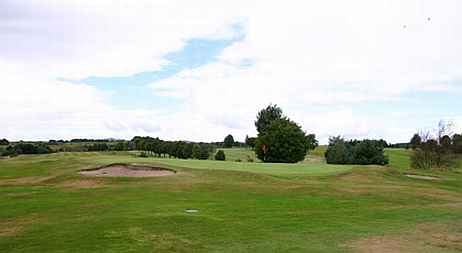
243,207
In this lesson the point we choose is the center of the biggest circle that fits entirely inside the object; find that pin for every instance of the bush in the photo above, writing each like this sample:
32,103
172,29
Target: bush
26,149
143,154
363,152
283,141
220,155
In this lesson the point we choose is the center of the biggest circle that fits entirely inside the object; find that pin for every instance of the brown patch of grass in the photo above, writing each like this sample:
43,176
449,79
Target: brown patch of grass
24,180
15,226
424,238
87,184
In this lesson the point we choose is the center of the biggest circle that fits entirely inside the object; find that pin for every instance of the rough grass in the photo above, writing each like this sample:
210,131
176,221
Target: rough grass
243,207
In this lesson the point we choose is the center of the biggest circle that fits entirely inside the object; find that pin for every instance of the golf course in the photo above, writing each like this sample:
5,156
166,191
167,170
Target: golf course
48,205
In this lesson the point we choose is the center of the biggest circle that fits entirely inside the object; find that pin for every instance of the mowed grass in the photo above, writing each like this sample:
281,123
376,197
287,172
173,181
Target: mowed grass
46,206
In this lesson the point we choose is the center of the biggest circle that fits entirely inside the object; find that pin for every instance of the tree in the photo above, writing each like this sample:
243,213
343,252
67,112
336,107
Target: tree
196,151
282,141
446,143
416,140
250,141
337,152
204,152
187,151
220,155
312,142
266,116
4,142
457,143
229,141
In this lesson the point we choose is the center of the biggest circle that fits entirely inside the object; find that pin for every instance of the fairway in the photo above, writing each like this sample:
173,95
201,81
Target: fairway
242,207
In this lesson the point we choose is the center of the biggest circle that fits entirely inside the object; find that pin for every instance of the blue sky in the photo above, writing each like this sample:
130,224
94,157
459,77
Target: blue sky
200,71
133,91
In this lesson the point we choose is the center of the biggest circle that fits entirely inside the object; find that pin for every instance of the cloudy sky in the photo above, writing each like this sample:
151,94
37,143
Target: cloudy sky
198,70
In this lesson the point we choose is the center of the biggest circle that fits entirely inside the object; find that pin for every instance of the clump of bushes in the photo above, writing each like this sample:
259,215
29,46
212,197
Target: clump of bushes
362,152
26,149
220,155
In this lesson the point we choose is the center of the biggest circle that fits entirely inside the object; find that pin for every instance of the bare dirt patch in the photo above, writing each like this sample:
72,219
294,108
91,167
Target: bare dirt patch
421,177
125,170
425,238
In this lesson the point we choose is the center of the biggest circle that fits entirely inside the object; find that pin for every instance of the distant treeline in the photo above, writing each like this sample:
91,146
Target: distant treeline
82,141
26,149
176,149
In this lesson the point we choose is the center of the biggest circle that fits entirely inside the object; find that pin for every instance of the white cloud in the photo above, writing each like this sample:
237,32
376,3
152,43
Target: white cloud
305,55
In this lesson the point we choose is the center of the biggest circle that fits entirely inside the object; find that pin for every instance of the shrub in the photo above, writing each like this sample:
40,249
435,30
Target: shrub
143,154
363,152
220,155
26,148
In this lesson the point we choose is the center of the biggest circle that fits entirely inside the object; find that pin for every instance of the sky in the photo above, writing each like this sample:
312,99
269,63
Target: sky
199,70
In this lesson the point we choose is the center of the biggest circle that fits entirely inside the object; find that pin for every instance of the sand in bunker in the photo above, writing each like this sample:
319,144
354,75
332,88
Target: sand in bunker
422,177
119,170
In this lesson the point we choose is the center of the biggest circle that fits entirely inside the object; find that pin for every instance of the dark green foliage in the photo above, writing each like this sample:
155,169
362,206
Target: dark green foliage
121,146
282,142
177,149
26,149
280,139
187,151
228,142
204,152
4,142
400,145
220,155
363,152
250,141
311,141
266,116
338,152
98,147
446,143
457,144
416,140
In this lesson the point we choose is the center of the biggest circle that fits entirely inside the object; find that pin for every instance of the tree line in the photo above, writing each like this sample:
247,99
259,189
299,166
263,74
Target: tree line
173,149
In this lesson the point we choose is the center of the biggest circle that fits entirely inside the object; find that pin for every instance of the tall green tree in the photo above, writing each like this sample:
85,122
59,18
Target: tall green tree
457,143
229,141
416,141
266,116
283,141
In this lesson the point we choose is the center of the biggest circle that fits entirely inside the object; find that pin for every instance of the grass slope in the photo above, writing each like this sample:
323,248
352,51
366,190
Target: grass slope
243,207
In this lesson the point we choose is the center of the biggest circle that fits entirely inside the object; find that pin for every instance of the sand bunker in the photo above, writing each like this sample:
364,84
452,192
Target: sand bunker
421,177
124,170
